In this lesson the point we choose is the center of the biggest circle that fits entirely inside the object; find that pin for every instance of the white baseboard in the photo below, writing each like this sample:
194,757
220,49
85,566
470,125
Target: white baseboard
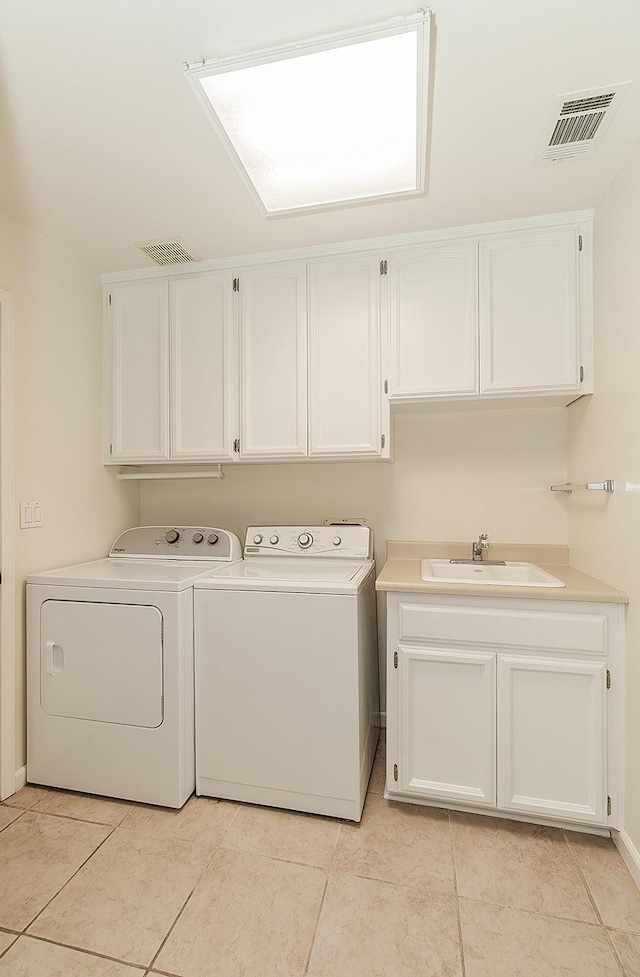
629,852
21,777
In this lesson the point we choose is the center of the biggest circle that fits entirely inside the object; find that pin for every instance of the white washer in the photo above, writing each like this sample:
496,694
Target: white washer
110,700
286,671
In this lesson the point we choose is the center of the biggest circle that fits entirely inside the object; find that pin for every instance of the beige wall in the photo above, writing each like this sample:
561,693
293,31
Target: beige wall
455,475
604,438
58,369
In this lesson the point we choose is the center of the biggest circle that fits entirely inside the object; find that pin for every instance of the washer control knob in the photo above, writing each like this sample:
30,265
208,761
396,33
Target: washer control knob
305,540
212,538
172,535
274,540
197,537
337,540
257,539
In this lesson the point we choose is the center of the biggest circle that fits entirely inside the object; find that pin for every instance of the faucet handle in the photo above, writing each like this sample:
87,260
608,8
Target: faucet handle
483,539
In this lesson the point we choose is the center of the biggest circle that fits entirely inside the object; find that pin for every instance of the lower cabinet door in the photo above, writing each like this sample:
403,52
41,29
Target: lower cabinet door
551,737
447,725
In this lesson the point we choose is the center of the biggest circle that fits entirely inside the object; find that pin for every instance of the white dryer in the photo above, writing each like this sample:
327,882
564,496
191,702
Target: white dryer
110,696
287,671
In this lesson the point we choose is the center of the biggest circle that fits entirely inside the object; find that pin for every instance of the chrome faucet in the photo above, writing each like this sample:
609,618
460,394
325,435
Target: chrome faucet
482,543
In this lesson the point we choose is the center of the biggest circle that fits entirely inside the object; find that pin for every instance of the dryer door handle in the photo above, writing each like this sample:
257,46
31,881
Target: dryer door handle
54,658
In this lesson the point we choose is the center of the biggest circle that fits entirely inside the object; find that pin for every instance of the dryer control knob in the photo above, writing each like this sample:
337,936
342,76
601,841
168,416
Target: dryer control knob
274,540
337,540
172,535
197,537
212,538
257,539
305,540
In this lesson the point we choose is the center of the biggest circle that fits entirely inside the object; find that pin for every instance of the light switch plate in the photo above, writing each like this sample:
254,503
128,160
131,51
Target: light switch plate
31,515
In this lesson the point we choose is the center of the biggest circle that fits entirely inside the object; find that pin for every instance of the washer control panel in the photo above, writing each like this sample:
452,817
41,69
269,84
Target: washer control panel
351,542
177,543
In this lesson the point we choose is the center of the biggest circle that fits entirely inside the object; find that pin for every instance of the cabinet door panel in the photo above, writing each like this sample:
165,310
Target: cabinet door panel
274,362
434,321
447,724
139,351
529,312
203,391
551,737
344,339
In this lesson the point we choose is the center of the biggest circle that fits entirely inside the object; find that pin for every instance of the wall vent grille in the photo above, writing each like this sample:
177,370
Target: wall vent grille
167,251
578,123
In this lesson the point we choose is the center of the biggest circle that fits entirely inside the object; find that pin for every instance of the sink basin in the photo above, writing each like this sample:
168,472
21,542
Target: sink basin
509,575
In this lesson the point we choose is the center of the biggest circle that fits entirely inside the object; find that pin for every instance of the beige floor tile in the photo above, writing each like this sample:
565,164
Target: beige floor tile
250,916
6,939
126,897
282,834
34,958
8,815
501,942
627,946
26,797
202,819
38,854
374,929
614,892
378,773
403,843
83,807
518,865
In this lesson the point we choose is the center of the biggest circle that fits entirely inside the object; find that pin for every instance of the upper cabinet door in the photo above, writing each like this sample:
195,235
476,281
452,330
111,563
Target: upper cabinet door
138,345
345,395
529,324
273,329
434,315
203,388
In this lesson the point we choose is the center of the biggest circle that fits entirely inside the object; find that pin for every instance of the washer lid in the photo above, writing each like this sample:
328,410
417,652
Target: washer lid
306,576
123,574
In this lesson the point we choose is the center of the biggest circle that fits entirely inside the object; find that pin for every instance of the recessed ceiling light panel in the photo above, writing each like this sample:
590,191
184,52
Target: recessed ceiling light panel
336,120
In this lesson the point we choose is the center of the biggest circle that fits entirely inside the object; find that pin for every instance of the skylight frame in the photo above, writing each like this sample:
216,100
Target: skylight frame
419,24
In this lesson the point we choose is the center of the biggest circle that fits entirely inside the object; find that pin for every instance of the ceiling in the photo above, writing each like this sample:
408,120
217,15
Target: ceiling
102,142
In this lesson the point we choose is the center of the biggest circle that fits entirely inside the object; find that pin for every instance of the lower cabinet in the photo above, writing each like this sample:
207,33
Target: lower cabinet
509,705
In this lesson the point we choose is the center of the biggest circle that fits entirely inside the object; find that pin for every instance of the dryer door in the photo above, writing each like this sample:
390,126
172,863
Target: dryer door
102,662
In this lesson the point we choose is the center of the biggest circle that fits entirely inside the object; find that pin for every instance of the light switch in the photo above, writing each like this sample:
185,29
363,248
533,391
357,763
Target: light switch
31,515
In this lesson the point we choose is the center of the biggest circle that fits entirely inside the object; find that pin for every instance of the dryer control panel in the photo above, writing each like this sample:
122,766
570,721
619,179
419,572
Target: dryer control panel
177,543
334,542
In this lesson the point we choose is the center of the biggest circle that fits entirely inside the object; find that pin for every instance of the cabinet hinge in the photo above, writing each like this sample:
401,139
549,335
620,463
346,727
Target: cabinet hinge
382,441
581,374
608,805
162,630
395,659
579,242
608,679
162,705
383,267
236,284
236,444
395,771
386,386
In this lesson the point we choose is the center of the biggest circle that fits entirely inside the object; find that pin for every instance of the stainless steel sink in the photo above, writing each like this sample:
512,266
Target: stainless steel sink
499,575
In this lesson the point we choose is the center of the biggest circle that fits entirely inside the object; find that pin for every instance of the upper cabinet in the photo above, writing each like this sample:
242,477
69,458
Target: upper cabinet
273,344
203,390
529,322
137,346
302,358
433,304
345,386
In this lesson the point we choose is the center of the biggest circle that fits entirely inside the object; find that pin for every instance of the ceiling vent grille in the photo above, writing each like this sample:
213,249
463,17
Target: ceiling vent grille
167,251
578,123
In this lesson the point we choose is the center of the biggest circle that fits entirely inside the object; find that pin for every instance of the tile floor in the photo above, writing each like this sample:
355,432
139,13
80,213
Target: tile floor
106,888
